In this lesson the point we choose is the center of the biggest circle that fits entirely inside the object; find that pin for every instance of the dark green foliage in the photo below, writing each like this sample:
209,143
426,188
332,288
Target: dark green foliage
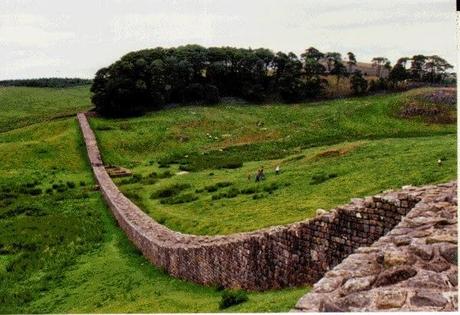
82,183
380,84
321,177
231,297
231,193
135,178
148,79
70,184
215,187
165,174
47,82
184,198
22,210
271,188
185,167
34,191
248,190
358,83
169,191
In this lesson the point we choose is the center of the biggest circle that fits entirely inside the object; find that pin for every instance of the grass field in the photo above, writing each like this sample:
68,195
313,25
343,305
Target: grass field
22,106
328,152
60,249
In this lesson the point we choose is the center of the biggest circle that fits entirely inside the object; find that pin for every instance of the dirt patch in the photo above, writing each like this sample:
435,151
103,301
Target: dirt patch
336,151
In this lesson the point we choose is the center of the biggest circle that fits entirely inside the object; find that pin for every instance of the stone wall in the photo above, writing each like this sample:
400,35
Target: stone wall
275,257
412,268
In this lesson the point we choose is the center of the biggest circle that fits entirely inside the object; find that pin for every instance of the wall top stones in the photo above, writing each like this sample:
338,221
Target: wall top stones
412,268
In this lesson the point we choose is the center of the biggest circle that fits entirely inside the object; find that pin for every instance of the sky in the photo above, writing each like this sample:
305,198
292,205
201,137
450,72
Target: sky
61,38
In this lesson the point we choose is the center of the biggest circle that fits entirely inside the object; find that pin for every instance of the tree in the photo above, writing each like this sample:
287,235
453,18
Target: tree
351,61
417,67
339,71
378,62
435,69
289,77
398,73
357,83
331,59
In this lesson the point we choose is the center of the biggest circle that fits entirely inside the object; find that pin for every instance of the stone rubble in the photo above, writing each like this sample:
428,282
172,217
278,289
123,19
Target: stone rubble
412,268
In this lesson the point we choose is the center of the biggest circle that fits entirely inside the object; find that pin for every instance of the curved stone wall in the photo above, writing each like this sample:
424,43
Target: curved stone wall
275,257
412,268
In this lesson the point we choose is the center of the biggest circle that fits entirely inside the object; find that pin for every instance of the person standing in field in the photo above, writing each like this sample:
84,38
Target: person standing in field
277,170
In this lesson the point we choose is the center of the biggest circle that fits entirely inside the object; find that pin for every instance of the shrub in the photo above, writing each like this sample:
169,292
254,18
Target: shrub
223,184
34,191
357,83
258,196
82,183
169,191
216,186
185,167
248,190
231,297
70,184
232,164
233,192
321,177
179,199
135,178
271,188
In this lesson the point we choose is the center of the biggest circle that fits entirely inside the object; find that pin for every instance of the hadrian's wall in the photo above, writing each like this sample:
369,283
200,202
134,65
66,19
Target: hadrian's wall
275,257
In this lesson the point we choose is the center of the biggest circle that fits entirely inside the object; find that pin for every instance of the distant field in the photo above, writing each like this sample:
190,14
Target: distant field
22,106
329,152
61,251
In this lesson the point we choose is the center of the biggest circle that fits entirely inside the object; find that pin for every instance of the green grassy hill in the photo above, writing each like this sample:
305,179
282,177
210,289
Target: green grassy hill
22,106
60,249
328,152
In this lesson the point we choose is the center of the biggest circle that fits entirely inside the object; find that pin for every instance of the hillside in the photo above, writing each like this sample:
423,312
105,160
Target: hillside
191,164
59,244
22,106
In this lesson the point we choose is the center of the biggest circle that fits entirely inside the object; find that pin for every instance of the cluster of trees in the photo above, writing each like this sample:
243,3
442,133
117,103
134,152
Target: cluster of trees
148,79
47,82
428,69
151,78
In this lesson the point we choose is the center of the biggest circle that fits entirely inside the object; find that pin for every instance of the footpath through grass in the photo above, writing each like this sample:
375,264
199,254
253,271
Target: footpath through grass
61,251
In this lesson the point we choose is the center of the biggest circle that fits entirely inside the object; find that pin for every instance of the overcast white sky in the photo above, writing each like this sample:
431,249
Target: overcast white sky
75,38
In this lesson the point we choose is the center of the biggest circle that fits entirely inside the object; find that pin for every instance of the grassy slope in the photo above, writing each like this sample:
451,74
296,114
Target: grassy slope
367,168
22,106
405,154
131,142
62,251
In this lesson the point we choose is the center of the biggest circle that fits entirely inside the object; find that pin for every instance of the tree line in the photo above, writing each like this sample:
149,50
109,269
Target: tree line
47,82
151,78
